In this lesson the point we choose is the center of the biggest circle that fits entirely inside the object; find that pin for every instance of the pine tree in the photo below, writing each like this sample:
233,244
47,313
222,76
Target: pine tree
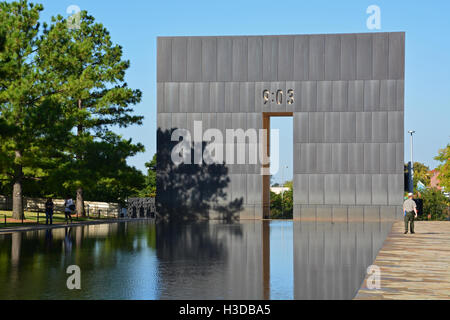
32,116
98,96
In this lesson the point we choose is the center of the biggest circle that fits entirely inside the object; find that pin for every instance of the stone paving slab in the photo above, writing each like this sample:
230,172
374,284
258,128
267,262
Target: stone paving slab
413,266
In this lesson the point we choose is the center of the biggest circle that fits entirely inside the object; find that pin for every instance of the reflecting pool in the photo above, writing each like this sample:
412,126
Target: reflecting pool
204,260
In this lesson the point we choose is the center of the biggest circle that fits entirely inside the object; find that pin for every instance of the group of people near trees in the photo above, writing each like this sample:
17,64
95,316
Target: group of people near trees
69,209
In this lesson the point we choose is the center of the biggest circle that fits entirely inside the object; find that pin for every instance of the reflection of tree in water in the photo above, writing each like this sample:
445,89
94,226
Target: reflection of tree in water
190,191
102,251
118,237
41,257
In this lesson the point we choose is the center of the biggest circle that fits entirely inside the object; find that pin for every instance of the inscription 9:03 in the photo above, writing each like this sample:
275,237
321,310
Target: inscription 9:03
278,96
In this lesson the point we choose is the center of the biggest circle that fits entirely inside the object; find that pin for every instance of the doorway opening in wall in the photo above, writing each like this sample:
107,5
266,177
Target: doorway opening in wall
278,186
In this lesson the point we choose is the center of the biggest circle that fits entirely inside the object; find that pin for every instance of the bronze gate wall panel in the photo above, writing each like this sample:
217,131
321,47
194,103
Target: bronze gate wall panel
348,120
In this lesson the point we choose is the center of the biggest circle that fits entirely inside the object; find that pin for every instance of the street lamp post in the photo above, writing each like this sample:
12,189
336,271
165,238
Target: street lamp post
411,181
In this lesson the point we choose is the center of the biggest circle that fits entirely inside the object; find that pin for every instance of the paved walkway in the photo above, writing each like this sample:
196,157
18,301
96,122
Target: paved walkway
63,225
413,266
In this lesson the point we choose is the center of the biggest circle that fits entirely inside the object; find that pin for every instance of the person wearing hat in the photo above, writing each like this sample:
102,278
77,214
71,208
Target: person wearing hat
410,209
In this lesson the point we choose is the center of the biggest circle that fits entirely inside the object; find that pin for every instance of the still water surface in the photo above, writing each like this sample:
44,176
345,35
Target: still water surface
209,260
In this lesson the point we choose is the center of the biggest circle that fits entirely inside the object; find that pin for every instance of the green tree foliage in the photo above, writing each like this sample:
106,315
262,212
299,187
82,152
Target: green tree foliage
55,81
99,98
102,170
150,180
282,204
421,173
33,117
444,168
434,203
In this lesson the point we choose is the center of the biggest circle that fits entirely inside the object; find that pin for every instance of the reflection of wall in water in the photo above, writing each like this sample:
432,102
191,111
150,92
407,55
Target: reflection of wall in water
330,259
230,255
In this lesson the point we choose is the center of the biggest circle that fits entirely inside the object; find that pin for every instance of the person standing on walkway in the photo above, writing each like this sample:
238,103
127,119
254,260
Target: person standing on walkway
410,207
49,211
69,207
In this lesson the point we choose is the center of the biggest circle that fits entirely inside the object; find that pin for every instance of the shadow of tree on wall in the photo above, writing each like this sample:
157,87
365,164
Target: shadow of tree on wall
191,191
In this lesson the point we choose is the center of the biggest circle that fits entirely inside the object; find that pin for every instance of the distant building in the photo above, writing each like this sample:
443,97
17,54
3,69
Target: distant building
434,182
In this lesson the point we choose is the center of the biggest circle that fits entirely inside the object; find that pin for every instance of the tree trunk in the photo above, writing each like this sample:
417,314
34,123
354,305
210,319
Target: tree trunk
17,197
16,244
80,203
80,199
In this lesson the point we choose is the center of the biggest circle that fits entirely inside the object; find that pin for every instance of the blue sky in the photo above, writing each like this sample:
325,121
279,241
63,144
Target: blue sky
135,24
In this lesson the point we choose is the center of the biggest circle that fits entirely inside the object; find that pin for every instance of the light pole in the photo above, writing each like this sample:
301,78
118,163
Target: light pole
411,181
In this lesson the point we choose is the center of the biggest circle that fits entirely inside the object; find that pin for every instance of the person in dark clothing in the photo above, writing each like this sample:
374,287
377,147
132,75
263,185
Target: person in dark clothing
49,211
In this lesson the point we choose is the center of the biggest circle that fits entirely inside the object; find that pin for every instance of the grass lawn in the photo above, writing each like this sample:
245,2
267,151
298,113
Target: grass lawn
31,218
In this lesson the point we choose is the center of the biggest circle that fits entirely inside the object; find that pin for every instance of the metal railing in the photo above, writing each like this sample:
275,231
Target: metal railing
5,217
37,215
